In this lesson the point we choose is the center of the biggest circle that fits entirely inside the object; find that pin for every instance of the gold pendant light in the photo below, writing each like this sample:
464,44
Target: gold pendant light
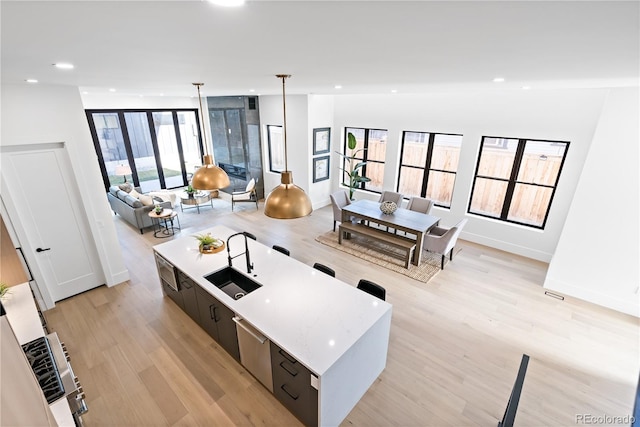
208,176
287,200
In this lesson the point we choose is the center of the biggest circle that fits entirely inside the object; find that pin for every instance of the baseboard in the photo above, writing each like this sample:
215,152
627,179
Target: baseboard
506,246
117,278
628,306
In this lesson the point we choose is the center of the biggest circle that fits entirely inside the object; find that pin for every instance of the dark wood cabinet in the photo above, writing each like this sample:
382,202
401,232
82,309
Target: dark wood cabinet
176,296
292,386
217,319
189,297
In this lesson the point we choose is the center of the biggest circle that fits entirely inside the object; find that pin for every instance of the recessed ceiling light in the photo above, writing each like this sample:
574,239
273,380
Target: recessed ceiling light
498,80
112,90
63,65
337,87
394,91
84,92
31,81
252,90
227,3
526,87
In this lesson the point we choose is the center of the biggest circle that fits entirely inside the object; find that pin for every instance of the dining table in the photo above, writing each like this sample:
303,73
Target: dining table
416,223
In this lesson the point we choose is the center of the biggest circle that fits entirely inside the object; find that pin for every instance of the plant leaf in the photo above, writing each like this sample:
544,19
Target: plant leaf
351,141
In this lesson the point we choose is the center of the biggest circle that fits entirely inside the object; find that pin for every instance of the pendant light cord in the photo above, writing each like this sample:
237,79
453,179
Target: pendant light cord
204,135
284,110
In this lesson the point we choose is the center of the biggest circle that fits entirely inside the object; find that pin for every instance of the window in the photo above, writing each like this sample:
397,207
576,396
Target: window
516,179
276,148
160,146
374,142
428,165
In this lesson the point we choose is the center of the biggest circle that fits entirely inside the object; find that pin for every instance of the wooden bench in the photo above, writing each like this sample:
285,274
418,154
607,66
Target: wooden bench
407,245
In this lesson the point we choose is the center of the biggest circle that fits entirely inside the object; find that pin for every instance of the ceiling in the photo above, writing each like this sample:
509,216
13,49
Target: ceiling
158,48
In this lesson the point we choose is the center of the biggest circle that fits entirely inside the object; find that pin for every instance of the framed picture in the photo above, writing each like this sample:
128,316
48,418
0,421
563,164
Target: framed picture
320,168
276,148
321,140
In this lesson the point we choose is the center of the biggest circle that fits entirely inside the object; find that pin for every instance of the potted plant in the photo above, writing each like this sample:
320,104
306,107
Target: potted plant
4,290
158,209
353,168
208,243
190,190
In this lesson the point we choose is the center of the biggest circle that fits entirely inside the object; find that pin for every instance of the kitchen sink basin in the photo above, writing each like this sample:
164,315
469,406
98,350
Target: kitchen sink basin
232,282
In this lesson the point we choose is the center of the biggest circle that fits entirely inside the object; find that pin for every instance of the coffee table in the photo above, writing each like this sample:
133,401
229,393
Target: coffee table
195,200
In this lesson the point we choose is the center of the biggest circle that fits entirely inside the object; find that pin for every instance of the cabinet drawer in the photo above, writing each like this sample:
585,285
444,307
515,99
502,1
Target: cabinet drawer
172,293
184,280
292,386
288,369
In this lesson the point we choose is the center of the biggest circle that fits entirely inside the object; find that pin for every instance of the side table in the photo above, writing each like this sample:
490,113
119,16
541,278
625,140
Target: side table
164,222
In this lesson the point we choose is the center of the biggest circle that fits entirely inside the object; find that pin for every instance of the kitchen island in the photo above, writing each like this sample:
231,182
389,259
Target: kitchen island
319,324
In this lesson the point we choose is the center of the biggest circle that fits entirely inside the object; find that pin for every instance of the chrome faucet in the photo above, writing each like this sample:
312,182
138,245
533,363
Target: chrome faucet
246,251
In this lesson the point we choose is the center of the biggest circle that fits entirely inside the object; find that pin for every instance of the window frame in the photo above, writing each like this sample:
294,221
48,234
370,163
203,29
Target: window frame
361,185
427,166
512,181
120,113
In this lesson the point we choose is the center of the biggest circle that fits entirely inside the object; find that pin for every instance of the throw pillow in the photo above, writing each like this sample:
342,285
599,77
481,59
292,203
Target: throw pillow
126,187
133,202
134,193
145,200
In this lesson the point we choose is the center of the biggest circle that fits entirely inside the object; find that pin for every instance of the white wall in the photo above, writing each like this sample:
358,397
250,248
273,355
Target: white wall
598,257
321,116
566,115
297,138
33,114
122,102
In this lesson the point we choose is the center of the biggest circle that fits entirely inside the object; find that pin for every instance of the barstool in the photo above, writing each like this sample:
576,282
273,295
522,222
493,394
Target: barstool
372,288
281,249
324,269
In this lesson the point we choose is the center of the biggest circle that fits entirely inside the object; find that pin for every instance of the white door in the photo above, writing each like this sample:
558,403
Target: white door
43,202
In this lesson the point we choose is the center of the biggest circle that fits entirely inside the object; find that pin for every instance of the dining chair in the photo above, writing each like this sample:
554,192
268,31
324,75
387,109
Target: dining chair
339,199
420,204
372,288
281,249
248,195
442,240
324,269
391,196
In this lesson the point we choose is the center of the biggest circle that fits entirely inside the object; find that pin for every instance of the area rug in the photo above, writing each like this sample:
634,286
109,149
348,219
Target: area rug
384,255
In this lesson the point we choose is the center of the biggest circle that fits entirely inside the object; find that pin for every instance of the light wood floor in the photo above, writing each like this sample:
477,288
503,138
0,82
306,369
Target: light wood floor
455,344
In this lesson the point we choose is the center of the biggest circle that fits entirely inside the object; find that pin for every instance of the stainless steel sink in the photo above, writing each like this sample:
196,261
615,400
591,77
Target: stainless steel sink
232,282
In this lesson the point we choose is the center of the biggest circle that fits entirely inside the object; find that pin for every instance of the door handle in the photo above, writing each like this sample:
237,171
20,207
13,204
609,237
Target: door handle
238,321
42,250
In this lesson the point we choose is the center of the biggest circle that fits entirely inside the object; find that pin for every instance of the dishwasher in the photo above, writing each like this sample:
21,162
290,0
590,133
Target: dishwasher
255,352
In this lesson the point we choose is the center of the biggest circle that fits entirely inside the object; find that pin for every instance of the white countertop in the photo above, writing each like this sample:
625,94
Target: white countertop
314,317
23,317
23,314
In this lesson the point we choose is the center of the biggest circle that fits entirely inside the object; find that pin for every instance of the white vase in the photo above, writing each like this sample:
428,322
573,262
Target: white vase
388,207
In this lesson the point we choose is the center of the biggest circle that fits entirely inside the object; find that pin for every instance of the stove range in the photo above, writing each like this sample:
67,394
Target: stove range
41,359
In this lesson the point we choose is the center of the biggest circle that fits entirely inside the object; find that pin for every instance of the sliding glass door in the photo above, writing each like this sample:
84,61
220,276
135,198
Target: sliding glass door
161,148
